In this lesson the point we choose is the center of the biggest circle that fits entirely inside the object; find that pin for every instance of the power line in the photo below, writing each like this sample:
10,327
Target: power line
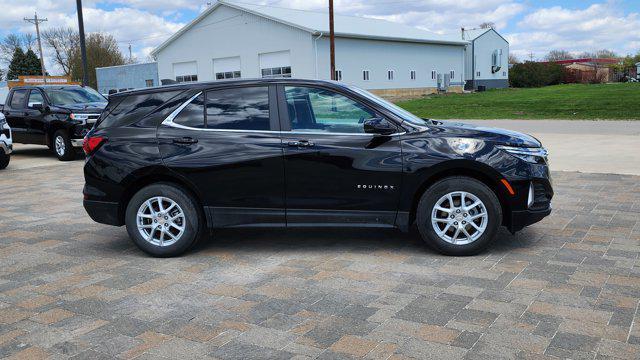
37,22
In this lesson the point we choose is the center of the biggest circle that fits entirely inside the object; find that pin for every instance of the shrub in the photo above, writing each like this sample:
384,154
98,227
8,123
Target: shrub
533,74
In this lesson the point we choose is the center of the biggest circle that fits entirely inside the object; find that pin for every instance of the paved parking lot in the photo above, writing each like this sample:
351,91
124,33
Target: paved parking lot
568,287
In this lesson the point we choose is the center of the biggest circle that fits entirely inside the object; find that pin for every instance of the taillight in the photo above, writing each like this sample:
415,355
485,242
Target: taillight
91,144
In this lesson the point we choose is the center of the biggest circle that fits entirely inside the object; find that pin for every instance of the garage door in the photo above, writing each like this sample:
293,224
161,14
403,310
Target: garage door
185,71
226,68
276,64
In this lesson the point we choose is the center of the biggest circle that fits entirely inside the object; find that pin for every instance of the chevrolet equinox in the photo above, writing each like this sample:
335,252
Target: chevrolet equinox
172,162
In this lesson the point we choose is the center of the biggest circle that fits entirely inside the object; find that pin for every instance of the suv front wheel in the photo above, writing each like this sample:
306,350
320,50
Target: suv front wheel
4,160
163,220
458,216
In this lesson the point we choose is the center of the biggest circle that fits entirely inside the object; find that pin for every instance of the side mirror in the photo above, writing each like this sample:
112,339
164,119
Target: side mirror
379,126
37,106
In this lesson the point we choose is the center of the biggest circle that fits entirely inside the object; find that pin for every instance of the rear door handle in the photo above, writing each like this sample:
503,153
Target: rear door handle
185,141
301,143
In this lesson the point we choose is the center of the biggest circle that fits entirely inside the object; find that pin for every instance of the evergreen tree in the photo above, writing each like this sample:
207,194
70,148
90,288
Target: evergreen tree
32,64
18,64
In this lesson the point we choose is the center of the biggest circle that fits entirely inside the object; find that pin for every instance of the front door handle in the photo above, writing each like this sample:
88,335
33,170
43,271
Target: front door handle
301,143
185,141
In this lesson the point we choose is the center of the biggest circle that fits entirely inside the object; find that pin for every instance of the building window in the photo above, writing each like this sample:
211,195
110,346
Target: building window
504,73
148,83
391,75
186,78
452,74
365,75
277,72
413,74
434,74
228,75
338,75
477,73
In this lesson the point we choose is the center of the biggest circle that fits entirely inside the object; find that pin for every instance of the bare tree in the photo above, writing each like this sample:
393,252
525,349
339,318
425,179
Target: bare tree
488,25
63,41
513,59
556,55
11,42
102,50
600,54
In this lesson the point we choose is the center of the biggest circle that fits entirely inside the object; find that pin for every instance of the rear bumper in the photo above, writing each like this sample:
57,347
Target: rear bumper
520,219
103,212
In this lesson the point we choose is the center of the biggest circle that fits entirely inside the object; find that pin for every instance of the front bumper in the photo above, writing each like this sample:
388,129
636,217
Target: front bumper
7,148
523,218
103,212
77,142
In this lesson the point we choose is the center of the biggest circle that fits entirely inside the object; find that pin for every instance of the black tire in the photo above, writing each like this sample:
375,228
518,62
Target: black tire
193,224
444,187
4,160
67,152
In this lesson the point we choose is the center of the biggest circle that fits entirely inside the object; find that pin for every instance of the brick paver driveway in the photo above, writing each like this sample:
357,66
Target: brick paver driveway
567,287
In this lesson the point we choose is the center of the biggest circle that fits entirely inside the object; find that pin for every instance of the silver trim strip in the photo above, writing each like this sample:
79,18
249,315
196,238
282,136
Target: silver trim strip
169,122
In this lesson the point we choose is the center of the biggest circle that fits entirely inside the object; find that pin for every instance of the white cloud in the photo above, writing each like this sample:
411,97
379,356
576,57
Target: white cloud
599,26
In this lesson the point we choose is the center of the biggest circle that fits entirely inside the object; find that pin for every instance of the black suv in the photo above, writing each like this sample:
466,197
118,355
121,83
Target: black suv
58,116
172,162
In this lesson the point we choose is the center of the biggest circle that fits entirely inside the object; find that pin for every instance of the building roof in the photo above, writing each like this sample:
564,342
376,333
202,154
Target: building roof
128,65
472,34
317,22
587,61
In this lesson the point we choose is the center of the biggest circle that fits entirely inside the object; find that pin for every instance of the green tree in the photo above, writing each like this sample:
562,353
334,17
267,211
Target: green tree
102,50
32,64
534,74
18,64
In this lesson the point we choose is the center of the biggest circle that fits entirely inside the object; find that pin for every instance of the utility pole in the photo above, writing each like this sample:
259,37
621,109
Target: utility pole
130,56
37,22
83,48
332,42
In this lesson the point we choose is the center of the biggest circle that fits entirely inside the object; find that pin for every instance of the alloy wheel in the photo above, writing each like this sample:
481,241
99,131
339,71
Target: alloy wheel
161,221
459,218
60,145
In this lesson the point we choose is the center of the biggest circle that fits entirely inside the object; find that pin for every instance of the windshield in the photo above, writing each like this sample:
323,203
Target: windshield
404,114
73,95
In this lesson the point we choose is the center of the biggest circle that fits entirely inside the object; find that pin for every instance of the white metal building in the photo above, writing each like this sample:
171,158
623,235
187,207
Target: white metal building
230,40
486,59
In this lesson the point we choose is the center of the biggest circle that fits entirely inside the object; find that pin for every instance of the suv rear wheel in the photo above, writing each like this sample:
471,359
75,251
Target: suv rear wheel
163,220
62,146
458,216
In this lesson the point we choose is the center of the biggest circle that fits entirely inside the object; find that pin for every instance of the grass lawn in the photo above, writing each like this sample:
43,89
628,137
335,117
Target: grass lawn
574,101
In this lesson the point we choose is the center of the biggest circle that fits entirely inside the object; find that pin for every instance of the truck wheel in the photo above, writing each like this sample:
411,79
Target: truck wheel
62,146
4,160
163,220
459,216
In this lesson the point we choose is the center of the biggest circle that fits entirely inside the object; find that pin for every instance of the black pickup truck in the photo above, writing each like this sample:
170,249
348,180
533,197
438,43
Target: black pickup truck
58,116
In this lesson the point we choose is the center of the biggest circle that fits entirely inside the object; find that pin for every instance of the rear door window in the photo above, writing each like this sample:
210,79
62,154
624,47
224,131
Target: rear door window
244,108
18,99
133,108
193,114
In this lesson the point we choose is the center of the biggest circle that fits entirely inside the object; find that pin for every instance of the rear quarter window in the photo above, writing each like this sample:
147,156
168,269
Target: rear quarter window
17,99
123,111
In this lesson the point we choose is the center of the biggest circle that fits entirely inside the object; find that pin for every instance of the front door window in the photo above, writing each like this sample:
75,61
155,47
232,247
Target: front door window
321,110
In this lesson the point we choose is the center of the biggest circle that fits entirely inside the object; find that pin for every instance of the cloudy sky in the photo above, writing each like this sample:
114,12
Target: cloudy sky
531,26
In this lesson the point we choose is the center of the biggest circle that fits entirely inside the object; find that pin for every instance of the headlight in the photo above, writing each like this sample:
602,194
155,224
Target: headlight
80,117
530,155
3,122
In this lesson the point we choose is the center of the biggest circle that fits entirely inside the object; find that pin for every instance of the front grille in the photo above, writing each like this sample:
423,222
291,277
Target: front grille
541,197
